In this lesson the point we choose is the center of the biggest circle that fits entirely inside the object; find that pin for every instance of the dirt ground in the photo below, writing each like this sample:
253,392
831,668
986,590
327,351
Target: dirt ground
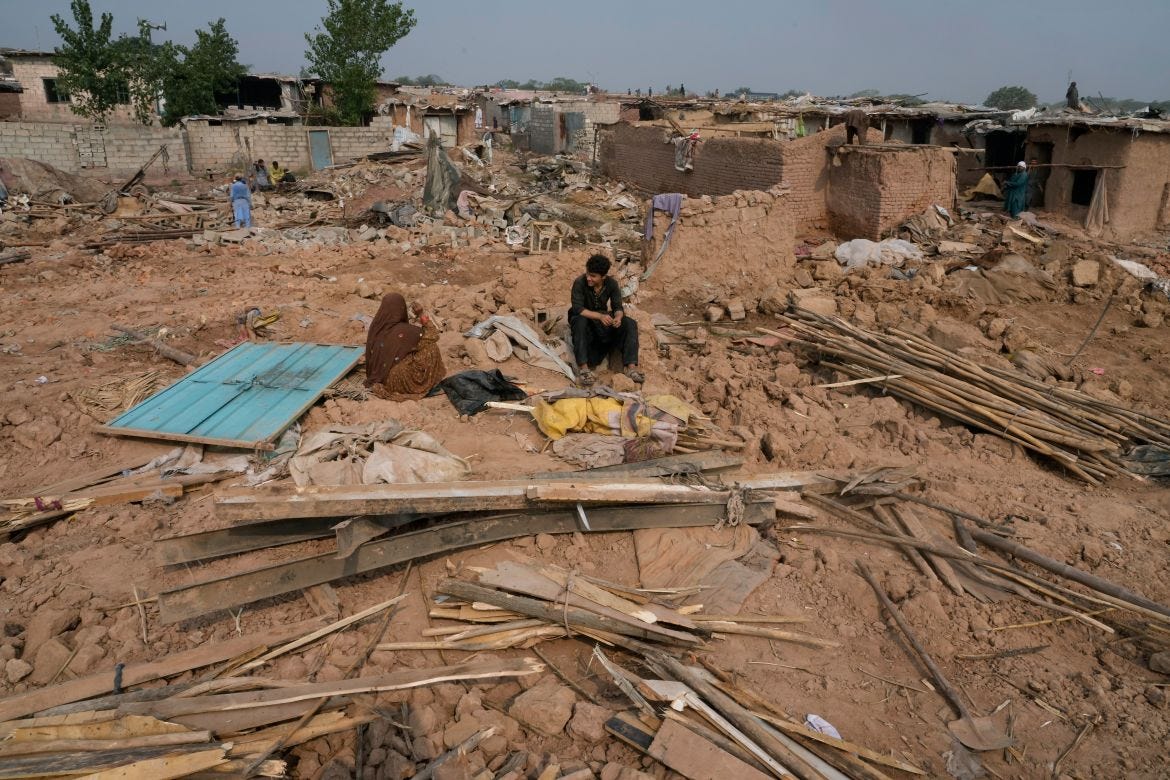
56,310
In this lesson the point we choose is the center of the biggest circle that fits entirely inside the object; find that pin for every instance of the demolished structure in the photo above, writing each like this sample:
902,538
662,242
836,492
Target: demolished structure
888,503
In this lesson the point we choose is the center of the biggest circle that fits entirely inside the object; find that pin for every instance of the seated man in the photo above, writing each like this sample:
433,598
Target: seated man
598,322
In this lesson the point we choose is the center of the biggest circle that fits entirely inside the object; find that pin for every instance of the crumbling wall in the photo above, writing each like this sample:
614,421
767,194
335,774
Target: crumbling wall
115,151
733,245
1136,186
872,190
9,106
805,168
641,157
568,126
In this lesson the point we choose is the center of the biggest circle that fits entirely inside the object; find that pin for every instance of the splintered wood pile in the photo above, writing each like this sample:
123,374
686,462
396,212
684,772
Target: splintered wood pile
1084,434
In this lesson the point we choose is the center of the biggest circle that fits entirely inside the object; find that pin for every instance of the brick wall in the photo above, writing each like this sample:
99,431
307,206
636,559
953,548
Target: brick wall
34,104
805,169
233,144
641,157
872,191
542,129
115,151
9,105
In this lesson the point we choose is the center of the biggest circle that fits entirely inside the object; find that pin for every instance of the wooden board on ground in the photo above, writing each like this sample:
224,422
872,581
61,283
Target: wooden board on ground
235,590
674,557
23,704
434,497
695,758
712,461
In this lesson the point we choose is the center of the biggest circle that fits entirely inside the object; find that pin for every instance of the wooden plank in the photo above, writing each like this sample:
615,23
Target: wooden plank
106,495
695,758
435,498
83,763
164,767
518,578
229,591
16,747
394,681
710,461
204,545
630,730
558,613
911,523
24,704
143,433
622,493
94,477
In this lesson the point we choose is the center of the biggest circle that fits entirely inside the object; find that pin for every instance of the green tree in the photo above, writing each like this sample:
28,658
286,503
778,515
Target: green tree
90,63
347,51
429,80
194,76
508,84
1011,98
564,84
866,93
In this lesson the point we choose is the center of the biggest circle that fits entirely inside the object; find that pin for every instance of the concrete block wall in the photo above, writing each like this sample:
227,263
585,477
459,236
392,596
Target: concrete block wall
232,145
872,191
542,129
84,148
641,157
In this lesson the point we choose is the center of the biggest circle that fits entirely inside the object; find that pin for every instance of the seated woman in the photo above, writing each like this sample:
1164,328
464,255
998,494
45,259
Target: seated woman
402,360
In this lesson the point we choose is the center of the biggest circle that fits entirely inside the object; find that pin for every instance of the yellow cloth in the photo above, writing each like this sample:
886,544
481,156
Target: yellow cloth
673,406
276,174
587,415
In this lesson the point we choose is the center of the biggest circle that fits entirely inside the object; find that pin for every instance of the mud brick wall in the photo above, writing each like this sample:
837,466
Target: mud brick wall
725,245
1138,193
805,167
872,191
640,157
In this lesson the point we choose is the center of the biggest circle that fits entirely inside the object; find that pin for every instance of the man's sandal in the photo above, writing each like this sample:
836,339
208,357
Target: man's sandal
585,378
635,375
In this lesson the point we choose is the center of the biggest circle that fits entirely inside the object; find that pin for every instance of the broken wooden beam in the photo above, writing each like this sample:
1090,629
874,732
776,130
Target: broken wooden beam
165,350
440,497
193,600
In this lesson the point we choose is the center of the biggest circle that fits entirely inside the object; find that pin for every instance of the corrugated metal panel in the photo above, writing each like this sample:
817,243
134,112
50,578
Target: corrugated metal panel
246,397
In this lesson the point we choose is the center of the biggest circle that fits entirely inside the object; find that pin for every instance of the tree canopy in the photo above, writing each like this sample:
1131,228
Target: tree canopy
91,63
196,75
559,84
1011,98
429,80
347,52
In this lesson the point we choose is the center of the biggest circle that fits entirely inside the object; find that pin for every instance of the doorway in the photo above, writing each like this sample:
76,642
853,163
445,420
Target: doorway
1039,160
442,126
1083,183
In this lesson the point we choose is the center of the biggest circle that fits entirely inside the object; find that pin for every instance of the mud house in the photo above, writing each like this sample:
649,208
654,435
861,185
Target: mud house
40,97
1130,157
447,116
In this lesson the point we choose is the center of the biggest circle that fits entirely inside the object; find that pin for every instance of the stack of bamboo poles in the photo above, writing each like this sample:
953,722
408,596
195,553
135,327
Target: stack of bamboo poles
1085,435
519,604
1096,602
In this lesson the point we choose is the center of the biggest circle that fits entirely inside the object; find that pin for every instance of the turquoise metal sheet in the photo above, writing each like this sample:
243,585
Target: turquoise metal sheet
246,397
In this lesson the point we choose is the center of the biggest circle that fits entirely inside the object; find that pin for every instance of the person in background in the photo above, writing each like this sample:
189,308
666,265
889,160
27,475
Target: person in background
598,322
856,125
403,361
1015,191
277,174
1035,185
260,177
1072,98
241,198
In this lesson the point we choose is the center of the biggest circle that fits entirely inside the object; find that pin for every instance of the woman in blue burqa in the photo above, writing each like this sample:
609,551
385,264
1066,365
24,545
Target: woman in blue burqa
1015,191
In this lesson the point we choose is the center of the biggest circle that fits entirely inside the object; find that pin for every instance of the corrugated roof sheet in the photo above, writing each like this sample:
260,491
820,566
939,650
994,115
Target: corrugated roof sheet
246,397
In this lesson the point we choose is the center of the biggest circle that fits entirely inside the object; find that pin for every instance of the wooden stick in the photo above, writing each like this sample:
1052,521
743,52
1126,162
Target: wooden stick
166,351
568,680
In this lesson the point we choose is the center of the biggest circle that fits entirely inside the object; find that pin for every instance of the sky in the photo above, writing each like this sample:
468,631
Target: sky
945,49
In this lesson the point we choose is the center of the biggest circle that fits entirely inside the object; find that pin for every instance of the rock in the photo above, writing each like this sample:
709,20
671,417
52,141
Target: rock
18,415
997,327
1086,273
735,310
493,746
425,748
87,659
816,301
545,708
775,300
546,542
51,657
623,384
1151,319
36,435
825,251
1160,662
954,335
16,670
588,722
367,290
459,731
1155,696
1092,552
45,624
422,720
476,352
714,313
827,271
